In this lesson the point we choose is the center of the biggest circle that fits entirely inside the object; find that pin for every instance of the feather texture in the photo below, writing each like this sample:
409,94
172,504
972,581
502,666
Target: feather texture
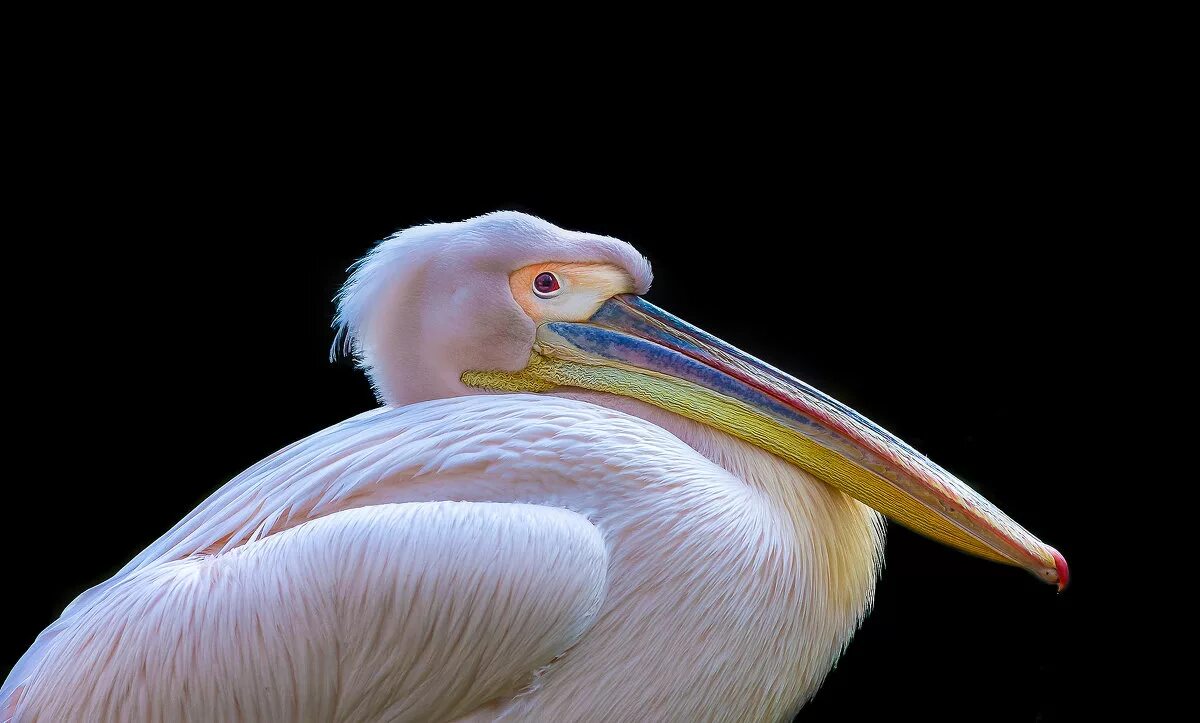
343,572
421,611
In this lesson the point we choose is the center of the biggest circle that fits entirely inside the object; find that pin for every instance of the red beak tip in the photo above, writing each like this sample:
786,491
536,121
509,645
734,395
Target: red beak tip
1060,565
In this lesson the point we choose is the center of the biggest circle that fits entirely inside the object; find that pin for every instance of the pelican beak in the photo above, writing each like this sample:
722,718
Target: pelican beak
632,348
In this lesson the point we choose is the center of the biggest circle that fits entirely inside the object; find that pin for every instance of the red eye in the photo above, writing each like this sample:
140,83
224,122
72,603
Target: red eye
546,284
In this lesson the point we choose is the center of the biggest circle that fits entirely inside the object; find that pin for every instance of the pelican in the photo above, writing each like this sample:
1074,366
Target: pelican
570,505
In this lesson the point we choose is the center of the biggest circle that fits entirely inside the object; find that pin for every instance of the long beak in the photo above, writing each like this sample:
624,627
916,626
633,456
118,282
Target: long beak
633,348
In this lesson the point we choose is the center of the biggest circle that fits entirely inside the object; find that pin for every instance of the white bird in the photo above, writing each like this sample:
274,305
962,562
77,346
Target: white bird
572,506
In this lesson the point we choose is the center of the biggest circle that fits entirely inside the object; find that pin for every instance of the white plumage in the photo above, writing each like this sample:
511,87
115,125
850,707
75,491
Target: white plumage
373,595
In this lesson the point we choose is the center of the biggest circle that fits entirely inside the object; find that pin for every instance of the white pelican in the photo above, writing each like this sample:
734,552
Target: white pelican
572,506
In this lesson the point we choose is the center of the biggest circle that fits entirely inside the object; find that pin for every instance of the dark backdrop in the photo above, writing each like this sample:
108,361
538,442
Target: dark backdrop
174,327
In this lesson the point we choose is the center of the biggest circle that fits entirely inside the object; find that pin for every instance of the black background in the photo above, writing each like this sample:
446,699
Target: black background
928,263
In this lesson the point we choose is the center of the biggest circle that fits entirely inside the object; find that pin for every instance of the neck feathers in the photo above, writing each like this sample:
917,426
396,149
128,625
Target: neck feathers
799,563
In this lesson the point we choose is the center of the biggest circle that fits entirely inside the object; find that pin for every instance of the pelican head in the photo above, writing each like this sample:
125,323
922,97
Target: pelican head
509,303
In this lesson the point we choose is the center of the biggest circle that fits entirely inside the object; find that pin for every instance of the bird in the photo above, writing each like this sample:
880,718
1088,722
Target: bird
569,505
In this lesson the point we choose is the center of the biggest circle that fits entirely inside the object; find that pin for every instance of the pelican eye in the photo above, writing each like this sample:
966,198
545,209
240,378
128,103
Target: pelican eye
546,285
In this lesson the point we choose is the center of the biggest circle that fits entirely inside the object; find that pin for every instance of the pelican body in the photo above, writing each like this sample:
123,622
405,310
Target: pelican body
572,505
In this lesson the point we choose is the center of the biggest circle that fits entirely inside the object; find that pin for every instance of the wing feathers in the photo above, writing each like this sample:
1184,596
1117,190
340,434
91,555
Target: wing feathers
419,611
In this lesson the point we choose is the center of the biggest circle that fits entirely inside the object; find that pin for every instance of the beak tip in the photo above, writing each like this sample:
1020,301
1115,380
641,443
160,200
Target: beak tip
1060,565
